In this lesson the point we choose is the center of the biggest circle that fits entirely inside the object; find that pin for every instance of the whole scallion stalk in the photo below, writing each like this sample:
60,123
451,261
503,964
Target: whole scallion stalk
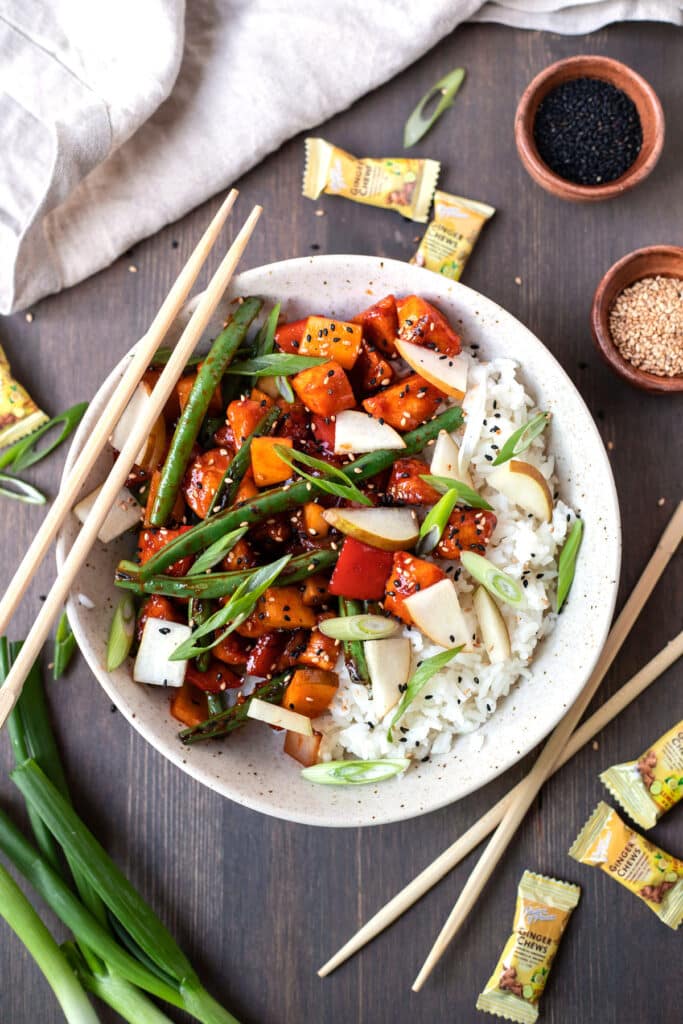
128,1001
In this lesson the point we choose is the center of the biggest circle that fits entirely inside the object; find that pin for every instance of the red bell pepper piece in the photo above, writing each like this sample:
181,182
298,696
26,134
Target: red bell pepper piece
322,428
288,336
361,571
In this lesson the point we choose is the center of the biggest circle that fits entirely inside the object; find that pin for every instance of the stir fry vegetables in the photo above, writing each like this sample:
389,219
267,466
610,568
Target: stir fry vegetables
310,502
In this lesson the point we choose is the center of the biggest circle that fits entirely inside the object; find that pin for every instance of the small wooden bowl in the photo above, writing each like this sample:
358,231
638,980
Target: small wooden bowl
653,261
649,111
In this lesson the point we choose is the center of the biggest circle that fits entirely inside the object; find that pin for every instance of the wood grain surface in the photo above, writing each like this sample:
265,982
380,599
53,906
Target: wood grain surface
259,904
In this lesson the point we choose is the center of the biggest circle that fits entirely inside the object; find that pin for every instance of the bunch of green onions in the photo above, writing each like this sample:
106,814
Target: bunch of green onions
120,952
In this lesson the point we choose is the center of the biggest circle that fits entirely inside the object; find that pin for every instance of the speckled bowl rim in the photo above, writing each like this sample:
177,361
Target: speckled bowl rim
251,768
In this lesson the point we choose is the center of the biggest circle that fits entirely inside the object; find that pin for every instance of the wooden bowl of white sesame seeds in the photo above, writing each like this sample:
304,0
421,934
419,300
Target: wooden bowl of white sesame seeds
637,318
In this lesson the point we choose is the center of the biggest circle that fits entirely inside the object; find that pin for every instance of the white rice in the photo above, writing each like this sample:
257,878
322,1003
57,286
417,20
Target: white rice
464,694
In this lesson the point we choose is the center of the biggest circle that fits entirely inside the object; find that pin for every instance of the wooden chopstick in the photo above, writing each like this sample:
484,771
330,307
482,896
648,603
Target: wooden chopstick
121,468
466,843
528,789
89,454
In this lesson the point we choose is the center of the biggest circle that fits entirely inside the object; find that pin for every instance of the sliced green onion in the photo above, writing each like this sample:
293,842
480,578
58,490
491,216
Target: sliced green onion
332,481
518,442
217,551
359,627
285,389
566,563
25,923
465,494
497,582
355,773
417,124
277,364
163,354
24,453
435,522
419,679
239,606
121,633
265,341
65,646
19,490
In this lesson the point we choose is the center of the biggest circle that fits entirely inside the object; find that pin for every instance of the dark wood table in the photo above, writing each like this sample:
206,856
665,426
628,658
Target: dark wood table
259,904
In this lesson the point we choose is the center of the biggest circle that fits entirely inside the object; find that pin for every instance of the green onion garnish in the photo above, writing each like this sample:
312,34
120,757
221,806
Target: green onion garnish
494,579
518,442
163,354
285,389
234,611
24,453
435,522
359,627
280,364
419,679
566,563
417,124
217,551
121,633
20,490
65,645
355,773
465,494
265,340
332,480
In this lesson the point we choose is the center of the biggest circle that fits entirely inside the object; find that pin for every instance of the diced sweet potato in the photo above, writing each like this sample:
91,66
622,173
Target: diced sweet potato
288,336
264,656
178,510
314,523
243,415
158,607
232,650
406,486
321,651
408,575
188,705
423,324
372,370
247,488
467,529
241,557
310,691
264,400
215,679
184,387
324,389
278,608
296,646
333,339
407,404
203,478
316,590
304,749
266,465
380,324
150,541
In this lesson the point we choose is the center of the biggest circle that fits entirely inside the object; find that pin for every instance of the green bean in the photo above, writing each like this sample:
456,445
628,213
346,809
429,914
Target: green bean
234,474
354,652
221,584
283,499
214,702
209,376
236,716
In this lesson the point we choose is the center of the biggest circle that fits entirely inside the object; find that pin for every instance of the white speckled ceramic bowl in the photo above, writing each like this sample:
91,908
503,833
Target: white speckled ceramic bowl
250,767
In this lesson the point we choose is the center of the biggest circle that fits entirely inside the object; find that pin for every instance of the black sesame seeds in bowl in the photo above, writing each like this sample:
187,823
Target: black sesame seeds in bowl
589,128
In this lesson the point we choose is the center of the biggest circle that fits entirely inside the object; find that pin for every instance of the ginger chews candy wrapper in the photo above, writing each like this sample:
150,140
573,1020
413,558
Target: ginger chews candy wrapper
403,184
543,909
650,786
452,233
19,414
606,842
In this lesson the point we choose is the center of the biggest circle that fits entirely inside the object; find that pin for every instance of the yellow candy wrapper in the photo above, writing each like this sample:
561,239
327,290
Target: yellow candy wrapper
650,786
451,235
404,184
19,414
543,909
636,863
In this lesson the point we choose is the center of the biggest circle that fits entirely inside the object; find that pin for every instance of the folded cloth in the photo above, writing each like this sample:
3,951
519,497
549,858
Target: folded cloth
119,118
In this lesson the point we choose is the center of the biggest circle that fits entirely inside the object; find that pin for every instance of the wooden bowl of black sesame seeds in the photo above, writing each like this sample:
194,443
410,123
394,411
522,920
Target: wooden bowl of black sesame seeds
637,318
589,128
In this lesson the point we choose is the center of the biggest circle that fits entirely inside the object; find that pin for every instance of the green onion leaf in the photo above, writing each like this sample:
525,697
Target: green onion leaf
65,645
265,341
332,481
234,611
24,453
355,773
435,522
121,633
465,494
359,627
419,679
518,442
163,354
19,490
497,582
280,364
566,563
285,389
217,551
417,124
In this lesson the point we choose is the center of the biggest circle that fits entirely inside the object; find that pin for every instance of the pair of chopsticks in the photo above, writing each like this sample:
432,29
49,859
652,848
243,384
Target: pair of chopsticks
69,491
506,816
